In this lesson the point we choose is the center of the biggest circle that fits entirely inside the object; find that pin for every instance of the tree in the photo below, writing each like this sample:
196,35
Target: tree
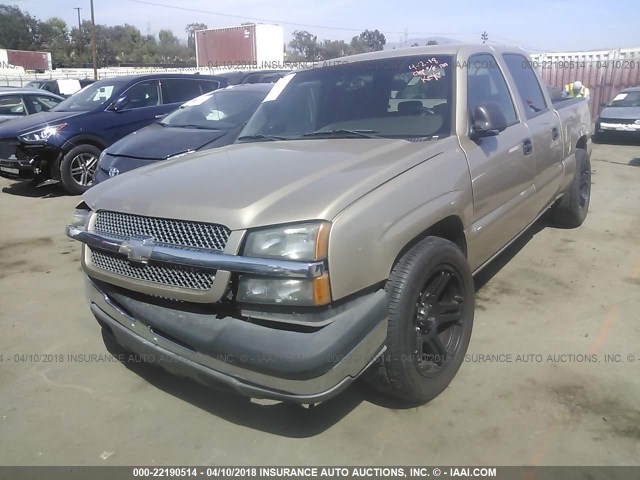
368,41
334,49
191,30
53,36
305,45
18,29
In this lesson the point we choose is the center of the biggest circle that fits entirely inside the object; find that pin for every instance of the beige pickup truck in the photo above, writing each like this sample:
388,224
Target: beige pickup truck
339,236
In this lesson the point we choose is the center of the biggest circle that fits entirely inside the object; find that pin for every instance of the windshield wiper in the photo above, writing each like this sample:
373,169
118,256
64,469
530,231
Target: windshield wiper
342,132
260,137
191,125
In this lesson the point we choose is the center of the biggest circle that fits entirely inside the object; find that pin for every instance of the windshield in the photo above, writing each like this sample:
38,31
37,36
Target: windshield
90,97
626,99
219,110
406,97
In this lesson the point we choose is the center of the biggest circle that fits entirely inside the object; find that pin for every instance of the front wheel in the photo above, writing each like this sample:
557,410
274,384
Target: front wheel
78,168
431,308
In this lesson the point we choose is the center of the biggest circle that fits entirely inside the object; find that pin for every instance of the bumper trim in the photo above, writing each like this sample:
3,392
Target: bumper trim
145,250
135,335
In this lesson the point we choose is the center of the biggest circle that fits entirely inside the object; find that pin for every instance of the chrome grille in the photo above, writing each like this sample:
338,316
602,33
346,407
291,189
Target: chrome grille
163,274
164,231
619,121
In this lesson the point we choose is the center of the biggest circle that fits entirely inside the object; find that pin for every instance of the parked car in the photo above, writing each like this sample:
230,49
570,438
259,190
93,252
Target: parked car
19,102
65,143
339,235
63,87
209,121
255,76
621,117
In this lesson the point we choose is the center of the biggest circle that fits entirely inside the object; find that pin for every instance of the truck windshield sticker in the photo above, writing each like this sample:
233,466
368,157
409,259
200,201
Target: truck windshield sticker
620,96
278,88
428,70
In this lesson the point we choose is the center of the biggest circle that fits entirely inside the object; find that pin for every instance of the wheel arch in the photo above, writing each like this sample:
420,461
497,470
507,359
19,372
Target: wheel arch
449,228
582,143
84,139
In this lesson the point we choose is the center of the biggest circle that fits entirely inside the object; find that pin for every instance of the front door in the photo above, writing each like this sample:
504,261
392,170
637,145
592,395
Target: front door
502,167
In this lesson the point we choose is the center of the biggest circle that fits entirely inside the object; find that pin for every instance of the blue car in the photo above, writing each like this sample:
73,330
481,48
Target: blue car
210,121
65,143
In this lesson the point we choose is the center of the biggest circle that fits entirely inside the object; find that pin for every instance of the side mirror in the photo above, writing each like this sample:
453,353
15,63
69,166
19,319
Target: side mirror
119,104
487,120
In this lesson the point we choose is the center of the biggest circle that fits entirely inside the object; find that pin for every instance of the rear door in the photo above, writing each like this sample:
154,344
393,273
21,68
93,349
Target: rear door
544,126
502,168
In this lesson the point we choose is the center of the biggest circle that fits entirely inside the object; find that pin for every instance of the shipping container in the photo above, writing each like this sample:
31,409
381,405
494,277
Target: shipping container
247,46
26,59
605,72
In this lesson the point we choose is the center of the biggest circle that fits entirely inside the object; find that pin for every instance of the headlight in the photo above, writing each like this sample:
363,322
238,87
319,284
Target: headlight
42,134
80,217
301,242
305,292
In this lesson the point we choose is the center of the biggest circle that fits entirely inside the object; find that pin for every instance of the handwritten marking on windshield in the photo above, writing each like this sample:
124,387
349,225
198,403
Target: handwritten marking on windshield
428,70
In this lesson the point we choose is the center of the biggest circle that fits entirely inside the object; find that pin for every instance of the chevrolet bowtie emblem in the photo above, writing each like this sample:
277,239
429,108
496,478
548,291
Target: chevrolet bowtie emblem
138,250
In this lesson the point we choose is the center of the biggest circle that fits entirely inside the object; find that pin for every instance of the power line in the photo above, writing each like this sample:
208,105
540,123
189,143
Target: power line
282,22
326,27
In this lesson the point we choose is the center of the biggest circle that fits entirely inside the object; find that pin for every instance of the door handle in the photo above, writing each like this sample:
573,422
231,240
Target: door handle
527,146
555,133
160,115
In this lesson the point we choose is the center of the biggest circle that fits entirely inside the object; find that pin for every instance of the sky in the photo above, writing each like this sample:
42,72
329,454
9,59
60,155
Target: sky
542,25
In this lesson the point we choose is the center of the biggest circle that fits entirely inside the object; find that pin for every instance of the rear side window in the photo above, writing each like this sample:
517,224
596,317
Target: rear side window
178,90
531,96
485,83
51,87
41,103
12,105
208,85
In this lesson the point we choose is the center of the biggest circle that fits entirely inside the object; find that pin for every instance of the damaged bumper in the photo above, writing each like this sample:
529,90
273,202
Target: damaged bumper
252,359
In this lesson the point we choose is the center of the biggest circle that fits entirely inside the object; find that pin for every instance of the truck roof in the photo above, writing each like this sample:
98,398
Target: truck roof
444,49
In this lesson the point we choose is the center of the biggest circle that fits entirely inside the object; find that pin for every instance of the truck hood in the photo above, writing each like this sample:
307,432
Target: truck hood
32,122
156,142
266,183
621,113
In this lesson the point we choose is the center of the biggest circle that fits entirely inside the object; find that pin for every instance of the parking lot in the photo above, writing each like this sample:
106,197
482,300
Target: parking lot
551,376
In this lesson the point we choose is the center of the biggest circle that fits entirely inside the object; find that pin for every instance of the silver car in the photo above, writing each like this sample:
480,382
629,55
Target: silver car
621,117
18,102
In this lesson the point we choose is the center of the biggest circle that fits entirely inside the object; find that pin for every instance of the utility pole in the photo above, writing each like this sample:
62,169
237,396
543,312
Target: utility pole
93,43
79,30
78,9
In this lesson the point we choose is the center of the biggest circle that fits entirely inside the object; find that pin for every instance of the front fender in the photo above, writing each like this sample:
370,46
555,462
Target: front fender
367,237
83,139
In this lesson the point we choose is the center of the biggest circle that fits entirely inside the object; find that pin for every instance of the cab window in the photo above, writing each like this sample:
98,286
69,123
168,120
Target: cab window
531,96
485,83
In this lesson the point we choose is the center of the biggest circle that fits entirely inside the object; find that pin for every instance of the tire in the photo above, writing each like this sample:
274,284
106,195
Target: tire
78,167
431,308
572,208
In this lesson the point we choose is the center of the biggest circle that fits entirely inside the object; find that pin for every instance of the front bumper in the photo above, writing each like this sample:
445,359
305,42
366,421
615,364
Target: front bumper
253,360
630,128
13,168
